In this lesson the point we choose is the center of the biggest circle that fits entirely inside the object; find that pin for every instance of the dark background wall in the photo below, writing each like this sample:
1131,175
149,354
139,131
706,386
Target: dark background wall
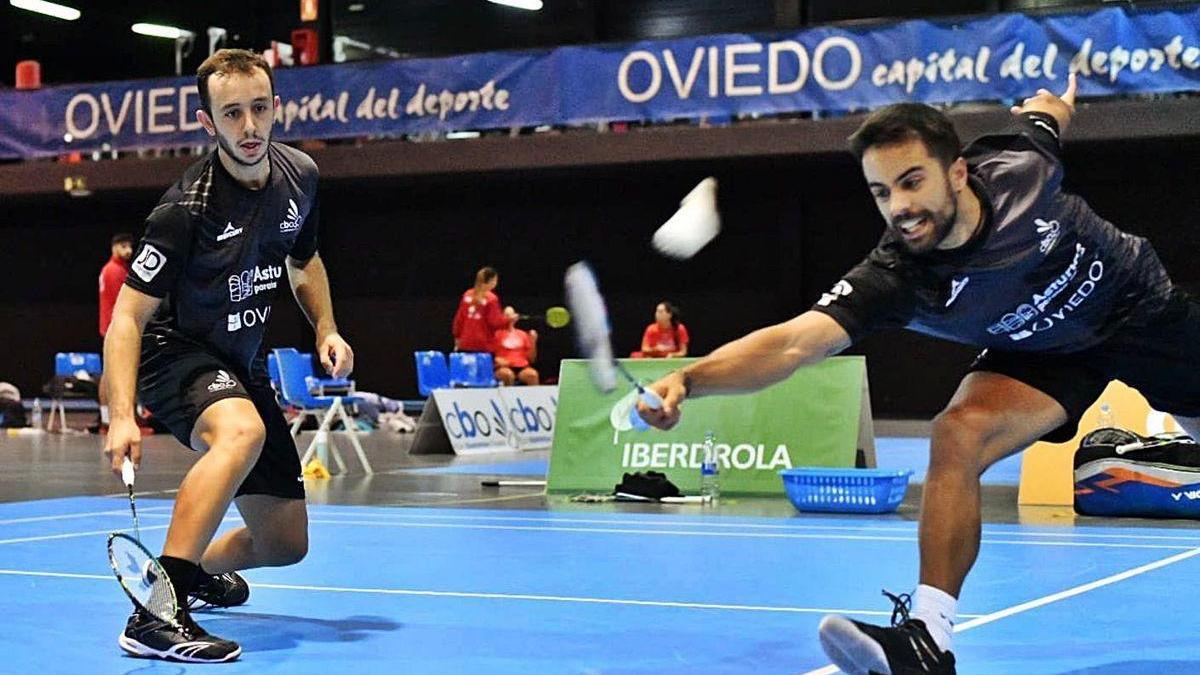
401,250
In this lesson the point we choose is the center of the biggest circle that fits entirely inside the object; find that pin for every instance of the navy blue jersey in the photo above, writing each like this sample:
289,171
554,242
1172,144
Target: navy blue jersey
1044,273
215,251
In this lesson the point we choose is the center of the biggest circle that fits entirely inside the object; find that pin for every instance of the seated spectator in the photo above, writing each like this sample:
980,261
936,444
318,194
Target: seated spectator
667,337
478,314
514,352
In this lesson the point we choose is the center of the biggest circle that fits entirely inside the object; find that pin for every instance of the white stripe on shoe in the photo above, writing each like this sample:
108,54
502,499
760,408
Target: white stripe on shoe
184,652
851,649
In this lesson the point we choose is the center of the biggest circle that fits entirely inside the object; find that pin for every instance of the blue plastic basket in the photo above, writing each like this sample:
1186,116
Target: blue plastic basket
845,490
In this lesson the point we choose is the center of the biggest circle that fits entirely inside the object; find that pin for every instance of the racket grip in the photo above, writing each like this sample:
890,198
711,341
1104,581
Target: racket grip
127,472
652,401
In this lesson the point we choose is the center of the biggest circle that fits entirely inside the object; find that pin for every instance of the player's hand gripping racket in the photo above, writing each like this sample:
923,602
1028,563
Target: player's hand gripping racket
592,333
139,573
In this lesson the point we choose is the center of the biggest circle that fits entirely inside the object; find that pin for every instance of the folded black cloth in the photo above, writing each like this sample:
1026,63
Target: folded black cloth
648,484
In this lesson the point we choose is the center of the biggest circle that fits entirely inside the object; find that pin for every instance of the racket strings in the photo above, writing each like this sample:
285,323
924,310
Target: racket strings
143,578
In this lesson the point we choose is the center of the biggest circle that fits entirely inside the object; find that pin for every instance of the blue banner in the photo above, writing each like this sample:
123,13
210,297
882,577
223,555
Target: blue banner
824,69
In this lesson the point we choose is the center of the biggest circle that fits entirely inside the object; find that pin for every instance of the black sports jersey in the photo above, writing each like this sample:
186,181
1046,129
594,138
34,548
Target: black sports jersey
215,251
1044,273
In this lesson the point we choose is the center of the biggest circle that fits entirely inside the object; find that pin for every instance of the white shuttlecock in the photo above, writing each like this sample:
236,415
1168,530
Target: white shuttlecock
693,225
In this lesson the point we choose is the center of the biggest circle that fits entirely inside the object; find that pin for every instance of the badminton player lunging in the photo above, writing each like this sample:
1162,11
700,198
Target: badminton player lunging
193,312
982,247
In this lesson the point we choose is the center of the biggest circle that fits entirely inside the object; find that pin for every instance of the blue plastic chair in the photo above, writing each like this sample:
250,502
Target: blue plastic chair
432,372
297,383
68,363
273,370
472,369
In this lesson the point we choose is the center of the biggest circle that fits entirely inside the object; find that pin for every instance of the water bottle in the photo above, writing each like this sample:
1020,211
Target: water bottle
35,418
710,473
322,446
1106,416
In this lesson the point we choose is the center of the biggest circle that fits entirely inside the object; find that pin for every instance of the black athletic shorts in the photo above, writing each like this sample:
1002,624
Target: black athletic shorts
1160,359
177,382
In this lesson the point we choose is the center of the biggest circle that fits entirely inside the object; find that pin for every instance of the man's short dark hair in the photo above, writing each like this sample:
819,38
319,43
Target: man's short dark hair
226,61
122,238
904,121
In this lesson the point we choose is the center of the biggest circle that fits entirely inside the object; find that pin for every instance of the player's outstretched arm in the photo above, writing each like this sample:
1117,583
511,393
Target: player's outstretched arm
122,351
310,285
753,362
1061,108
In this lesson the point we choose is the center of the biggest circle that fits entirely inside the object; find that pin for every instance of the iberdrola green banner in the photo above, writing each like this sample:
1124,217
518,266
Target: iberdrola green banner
820,416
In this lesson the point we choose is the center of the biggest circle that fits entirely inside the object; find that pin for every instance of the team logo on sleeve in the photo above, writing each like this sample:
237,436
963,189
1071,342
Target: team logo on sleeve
293,221
839,290
149,263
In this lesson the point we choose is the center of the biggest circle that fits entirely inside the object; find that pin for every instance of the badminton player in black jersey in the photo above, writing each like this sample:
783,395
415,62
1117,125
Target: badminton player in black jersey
982,247
238,227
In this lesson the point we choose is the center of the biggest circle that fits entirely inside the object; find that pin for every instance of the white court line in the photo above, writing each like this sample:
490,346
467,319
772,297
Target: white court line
733,525
89,514
506,596
142,494
63,575
70,535
731,535
1048,599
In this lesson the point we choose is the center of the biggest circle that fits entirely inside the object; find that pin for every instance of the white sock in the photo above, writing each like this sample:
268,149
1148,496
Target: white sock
104,414
938,610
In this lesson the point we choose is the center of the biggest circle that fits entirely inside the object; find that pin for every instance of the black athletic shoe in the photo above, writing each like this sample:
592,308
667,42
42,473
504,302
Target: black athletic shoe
219,590
906,648
147,637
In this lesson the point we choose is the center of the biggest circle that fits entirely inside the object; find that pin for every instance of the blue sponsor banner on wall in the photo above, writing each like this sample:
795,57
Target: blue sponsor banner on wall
1000,57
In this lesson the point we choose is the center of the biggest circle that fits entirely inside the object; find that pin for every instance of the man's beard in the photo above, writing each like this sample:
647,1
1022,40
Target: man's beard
941,229
943,223
231,150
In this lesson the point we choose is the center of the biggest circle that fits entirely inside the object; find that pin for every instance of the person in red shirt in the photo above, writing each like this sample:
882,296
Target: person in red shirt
479,314
515,351
667,337
112,277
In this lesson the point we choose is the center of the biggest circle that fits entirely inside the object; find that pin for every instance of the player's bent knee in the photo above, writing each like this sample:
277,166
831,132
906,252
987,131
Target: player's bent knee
960,435
287,551
243,432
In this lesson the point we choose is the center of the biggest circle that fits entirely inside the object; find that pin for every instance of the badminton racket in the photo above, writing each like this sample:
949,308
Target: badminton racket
138,571
592,333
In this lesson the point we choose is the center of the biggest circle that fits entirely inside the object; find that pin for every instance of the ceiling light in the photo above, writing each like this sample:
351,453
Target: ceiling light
532,5
155,30
48,8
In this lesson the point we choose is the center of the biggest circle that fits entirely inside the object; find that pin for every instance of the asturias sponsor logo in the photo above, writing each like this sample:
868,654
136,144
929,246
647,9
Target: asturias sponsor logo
254,281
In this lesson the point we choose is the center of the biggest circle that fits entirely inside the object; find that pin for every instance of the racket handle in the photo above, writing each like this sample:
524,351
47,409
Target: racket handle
652,401
127,472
